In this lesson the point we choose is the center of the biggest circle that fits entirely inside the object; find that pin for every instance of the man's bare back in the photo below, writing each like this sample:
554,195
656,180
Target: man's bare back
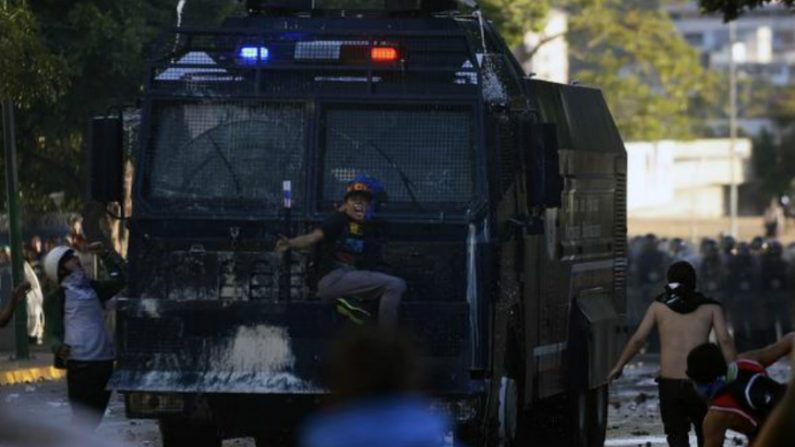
684,318
680,333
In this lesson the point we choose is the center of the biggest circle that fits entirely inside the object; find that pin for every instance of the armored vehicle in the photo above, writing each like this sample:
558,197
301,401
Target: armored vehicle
505,212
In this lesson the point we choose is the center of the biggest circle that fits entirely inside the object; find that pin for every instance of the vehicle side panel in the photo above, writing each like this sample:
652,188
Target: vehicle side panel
579,259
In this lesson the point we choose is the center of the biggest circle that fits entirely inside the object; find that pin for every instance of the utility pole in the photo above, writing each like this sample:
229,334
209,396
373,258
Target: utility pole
14,228
733,199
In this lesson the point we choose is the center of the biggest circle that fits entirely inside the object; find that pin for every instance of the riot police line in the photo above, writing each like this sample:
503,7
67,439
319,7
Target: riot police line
754,280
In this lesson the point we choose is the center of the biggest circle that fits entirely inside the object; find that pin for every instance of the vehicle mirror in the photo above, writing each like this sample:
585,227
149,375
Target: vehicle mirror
542,164
105,159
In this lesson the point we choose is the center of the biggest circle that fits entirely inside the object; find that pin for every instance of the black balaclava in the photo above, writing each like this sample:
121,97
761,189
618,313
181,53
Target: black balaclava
680,294
682,273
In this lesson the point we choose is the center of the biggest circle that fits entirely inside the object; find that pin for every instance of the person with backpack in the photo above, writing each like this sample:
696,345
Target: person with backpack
684,318
76,329
740,395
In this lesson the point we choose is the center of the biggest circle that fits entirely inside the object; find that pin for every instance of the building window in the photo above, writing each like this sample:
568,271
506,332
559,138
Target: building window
720,39
784,39
695,39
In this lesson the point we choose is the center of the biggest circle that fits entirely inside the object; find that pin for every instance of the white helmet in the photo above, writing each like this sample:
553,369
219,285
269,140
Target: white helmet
52,260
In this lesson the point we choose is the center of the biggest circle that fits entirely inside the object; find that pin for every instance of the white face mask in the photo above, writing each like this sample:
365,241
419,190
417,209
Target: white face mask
76,280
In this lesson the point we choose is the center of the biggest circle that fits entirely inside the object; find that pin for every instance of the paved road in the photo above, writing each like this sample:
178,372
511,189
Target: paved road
633,420
47,401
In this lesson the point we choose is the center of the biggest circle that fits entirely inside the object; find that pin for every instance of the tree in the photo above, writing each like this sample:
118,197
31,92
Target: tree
763,99
732,9
650,75
30,73
516,17
28,70
766,159
787,153
104,47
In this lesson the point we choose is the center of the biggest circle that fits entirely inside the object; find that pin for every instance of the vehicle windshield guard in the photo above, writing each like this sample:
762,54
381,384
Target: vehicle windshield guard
225,154
234,155
383,6
424,155
231,115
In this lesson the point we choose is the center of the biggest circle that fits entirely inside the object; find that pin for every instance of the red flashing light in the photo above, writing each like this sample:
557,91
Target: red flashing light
384,54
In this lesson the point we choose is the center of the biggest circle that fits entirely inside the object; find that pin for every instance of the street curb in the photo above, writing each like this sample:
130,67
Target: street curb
29,375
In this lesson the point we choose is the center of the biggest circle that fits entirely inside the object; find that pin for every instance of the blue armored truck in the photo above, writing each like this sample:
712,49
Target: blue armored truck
506,217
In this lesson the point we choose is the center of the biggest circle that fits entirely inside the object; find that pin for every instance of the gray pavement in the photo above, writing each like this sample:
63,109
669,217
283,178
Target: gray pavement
47,401
633,419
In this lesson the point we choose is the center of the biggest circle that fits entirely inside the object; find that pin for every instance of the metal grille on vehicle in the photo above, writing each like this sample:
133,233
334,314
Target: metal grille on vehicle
210,154
423,155
620,269
253,62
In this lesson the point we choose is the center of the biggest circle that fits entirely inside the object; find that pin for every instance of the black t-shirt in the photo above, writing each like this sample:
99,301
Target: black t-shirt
343,243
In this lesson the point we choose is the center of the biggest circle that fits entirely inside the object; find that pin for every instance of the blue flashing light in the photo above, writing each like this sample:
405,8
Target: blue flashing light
254,54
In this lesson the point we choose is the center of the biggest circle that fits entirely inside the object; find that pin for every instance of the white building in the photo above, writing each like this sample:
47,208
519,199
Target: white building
764,48
684,179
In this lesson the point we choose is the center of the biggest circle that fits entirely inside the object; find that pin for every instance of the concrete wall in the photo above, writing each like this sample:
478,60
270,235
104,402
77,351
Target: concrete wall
684,179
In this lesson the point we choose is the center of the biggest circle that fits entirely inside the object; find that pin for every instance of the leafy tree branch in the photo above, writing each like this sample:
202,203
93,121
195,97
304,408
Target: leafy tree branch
732,9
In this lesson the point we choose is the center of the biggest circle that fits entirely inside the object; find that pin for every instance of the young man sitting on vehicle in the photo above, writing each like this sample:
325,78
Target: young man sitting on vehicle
740,395
342,239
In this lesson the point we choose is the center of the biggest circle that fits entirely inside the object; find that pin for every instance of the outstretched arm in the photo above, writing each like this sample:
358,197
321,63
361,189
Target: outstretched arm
635,343
715,426
8,311
780,426
300,242
54,329
725,339
772,353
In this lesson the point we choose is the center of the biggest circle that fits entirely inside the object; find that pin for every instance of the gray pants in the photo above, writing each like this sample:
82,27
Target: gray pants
366,285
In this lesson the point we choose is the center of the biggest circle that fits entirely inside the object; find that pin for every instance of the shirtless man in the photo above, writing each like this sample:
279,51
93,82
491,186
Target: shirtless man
684,319
741,396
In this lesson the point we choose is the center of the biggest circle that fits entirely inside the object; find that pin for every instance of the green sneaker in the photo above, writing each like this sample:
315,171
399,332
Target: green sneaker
347,308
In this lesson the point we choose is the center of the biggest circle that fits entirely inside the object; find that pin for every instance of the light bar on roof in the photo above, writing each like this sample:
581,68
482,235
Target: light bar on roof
384,54
254,54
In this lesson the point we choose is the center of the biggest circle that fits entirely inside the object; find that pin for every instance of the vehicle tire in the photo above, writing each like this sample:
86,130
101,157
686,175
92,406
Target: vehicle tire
580,418
513,421
598,405
274,440
508,413
180,433
579,406
512,426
